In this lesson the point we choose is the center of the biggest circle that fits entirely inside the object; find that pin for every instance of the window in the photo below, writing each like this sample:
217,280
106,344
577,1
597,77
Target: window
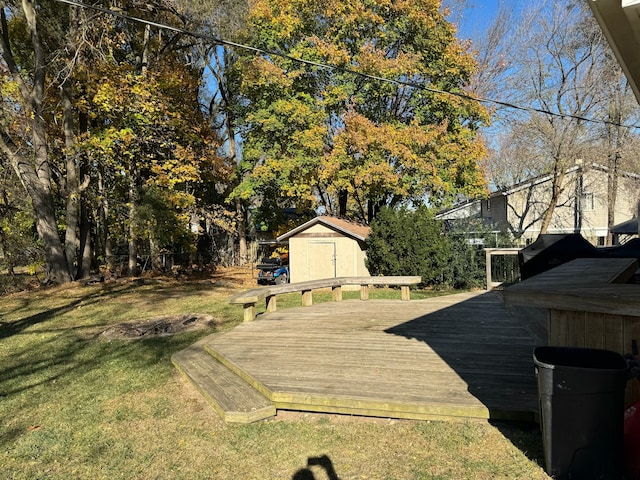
587,202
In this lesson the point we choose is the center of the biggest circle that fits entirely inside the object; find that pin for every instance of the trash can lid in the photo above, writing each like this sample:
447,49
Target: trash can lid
576,357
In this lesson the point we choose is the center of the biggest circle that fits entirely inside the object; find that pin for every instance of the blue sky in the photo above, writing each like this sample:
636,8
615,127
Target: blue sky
475,16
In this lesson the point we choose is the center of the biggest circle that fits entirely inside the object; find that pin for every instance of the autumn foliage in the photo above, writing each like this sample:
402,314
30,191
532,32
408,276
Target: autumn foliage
347,142
128,148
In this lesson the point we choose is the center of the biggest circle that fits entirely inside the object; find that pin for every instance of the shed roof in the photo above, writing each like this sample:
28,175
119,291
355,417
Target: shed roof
348,228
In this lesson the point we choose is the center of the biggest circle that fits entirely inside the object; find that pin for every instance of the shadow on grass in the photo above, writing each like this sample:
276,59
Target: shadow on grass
324,462
42,369
168,291
57,369
8,329
9,436
59,358
525,436
490,348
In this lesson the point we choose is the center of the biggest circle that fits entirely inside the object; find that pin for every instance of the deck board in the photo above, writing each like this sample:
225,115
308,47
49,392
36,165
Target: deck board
460,355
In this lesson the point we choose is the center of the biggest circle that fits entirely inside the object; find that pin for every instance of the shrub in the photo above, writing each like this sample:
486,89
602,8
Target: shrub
413,242
466,266
408,242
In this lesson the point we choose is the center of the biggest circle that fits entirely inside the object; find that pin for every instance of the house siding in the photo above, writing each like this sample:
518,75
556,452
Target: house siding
519,210
525,207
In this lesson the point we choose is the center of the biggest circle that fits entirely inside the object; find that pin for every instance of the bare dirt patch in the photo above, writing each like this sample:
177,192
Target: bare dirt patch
220,276
160,326
237,276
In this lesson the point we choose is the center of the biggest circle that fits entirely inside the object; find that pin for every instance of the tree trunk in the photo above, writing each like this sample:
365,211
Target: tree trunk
612,195
219,71
615,141
144,66
241,214
46,225
8,258
133,207
133,192
85,251
33,170
104,212
72,182
242,232
343,196
556,190
133,240
548,215
154,250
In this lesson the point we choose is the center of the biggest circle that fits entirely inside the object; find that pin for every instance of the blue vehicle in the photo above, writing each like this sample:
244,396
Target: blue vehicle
274,267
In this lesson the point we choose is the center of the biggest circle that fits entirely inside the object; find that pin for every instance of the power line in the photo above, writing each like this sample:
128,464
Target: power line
418,86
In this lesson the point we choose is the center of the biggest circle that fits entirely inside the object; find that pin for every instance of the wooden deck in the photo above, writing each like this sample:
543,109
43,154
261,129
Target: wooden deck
463,355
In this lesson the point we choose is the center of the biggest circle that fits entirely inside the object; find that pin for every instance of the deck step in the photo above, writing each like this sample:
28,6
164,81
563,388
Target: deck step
232,398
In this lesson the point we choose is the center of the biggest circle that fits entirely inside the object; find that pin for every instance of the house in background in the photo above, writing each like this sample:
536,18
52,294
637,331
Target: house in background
582,207
326,247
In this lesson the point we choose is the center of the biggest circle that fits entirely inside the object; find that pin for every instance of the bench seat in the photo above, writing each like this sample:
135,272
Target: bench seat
249,298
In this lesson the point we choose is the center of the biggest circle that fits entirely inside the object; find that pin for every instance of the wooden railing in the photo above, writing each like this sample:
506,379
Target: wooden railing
491,252
249,298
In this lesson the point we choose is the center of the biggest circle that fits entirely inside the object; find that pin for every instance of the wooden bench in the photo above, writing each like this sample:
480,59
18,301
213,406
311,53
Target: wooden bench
249,298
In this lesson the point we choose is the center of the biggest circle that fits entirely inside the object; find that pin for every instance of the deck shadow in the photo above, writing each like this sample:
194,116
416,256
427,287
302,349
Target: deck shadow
492,353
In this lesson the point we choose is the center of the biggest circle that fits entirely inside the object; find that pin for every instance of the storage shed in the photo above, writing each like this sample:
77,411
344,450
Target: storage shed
326,247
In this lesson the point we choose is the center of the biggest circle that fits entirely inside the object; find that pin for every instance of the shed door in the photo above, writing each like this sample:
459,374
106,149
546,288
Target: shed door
322,259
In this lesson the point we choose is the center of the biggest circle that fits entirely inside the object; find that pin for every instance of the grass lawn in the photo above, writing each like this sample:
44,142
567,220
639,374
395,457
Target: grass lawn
76,405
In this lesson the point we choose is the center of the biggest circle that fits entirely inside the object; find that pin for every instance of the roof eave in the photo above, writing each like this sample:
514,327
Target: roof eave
620,23
324,222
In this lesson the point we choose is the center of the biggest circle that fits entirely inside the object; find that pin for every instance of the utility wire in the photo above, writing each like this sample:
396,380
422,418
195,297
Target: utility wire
418,86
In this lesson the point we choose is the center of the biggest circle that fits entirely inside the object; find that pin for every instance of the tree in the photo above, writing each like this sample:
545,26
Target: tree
23,128
222,105
615,144
346,142
561,79
221,98
17,240
131,123
156,151
466,266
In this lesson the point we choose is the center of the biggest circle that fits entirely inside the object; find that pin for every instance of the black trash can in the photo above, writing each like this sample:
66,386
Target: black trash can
581,395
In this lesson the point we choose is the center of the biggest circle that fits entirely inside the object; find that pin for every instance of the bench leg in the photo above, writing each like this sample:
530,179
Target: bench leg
336,294
307,298
249,312
406,292
364,292
271,303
